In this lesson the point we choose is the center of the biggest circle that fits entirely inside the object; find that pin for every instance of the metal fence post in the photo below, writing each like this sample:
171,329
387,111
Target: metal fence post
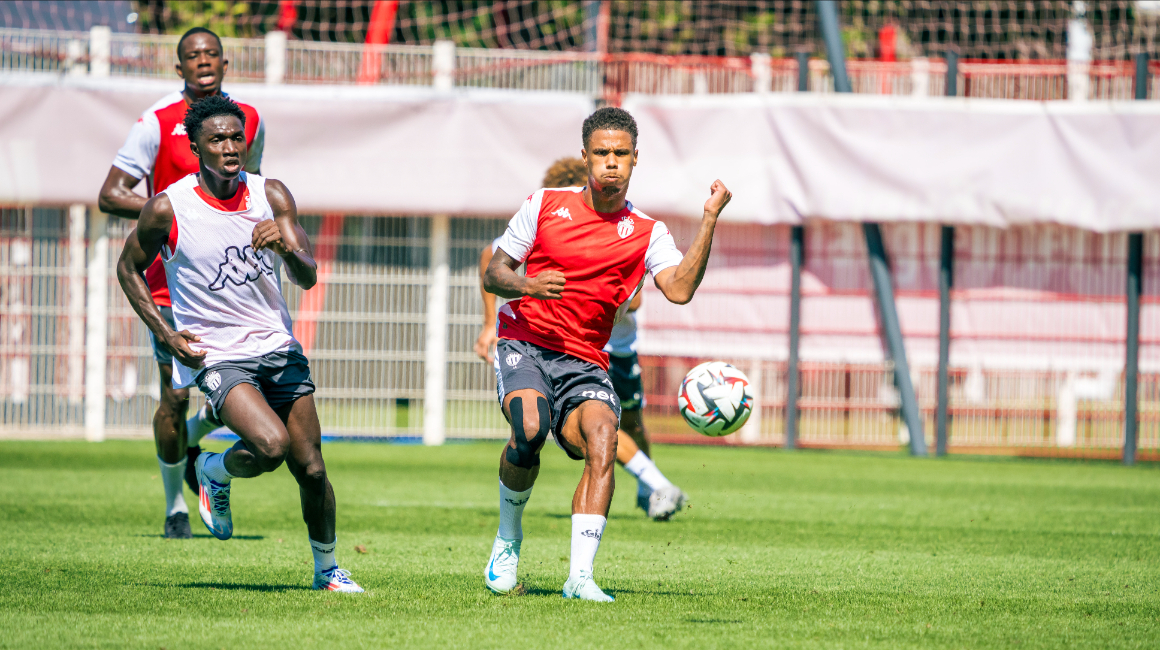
443,64
793,389
96,331
435,361
275,57
884,288
1134,280
879,268
952,81
76,303
100,51
946,280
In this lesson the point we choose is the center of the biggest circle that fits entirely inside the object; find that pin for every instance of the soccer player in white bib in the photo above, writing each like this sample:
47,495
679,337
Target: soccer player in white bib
157,151
655,494
218,232
588,251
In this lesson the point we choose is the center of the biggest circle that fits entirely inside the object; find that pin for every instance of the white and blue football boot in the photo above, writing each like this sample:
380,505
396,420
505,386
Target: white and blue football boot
584,588
336,579
500,573
214,502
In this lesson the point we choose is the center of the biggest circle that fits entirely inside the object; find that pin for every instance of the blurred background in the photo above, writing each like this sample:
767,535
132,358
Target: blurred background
1038,310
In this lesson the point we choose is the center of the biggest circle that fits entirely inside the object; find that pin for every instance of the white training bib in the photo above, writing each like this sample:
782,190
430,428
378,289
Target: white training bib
222,289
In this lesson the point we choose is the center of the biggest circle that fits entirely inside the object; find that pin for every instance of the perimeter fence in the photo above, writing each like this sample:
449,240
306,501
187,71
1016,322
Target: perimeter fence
1036,348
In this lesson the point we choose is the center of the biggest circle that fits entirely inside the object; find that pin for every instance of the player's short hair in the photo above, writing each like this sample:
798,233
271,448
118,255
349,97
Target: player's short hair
566,172
208,107
196,30
609,118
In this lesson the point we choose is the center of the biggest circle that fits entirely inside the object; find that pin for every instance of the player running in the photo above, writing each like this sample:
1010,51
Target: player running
157,150
655,494
587,251
218,232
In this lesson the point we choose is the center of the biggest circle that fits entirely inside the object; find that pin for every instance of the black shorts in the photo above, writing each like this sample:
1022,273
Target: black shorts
625,375
282,377
564,380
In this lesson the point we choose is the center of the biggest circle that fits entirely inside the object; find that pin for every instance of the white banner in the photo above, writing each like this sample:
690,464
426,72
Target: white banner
353,149
786,157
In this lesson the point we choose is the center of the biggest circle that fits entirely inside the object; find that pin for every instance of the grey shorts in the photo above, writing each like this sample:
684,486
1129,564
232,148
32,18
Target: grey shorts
282,377
161,354
625,375
564,380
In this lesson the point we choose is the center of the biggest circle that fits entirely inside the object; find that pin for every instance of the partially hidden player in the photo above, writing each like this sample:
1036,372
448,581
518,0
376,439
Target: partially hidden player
157,150
655,494
218,232
587,252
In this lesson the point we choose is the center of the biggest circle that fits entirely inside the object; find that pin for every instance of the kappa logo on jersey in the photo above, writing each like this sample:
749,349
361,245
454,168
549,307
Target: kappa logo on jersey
625,227
179,129
213,380
514,358
240,267
563,213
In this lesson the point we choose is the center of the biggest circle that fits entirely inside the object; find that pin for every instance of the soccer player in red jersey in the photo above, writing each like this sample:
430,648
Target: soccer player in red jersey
587,252
655,494
157,150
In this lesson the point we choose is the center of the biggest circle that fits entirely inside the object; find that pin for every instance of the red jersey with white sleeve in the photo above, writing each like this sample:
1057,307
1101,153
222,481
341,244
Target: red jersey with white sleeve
157,150
604,258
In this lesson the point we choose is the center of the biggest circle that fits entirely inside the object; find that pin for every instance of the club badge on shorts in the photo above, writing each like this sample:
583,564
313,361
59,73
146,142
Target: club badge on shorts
213,380
624,228
514,358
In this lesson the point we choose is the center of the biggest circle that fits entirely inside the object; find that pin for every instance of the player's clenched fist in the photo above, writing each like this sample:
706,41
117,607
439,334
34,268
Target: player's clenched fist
268,235
719,199
548,285
178,345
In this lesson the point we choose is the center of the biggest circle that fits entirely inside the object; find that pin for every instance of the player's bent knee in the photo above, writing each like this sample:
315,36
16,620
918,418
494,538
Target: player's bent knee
175,397
270,454
528,432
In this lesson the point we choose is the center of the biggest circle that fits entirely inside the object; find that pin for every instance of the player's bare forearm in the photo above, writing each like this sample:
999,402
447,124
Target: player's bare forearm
137,291
680,283
286,237
117,196
488,298
502,280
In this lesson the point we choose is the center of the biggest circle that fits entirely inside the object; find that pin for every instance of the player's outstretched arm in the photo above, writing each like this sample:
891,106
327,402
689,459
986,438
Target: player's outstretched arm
502,280
141,248
117,196
487,336
286,237
680,282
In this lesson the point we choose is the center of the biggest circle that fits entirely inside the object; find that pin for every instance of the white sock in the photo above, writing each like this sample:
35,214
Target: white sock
173,478
586,533
200,425
646,472
215,467
511,512
323,555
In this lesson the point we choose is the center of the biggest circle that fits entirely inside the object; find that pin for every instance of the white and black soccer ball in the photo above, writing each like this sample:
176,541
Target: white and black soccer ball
715,398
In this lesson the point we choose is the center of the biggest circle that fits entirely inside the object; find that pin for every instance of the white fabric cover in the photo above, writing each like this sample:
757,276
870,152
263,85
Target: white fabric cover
353,149
1091,165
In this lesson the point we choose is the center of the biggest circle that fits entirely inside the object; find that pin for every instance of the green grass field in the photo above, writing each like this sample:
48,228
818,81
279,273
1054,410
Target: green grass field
809,549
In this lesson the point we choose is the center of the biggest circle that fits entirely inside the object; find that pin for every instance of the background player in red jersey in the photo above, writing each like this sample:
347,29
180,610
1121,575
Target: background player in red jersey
655,494
157,150
587,252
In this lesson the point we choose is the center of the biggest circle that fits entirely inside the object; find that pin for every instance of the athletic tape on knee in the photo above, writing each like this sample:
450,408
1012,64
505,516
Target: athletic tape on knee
525,454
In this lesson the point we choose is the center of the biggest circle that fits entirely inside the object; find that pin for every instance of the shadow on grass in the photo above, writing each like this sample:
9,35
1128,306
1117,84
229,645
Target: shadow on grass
236,587
208,536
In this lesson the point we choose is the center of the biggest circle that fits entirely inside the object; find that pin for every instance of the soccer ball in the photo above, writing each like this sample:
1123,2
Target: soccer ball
715,398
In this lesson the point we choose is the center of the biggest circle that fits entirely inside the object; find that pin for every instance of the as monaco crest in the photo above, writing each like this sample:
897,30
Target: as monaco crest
624,228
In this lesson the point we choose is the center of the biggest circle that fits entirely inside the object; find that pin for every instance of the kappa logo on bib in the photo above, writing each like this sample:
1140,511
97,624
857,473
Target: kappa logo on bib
625,227
240,267
514,358
213,380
